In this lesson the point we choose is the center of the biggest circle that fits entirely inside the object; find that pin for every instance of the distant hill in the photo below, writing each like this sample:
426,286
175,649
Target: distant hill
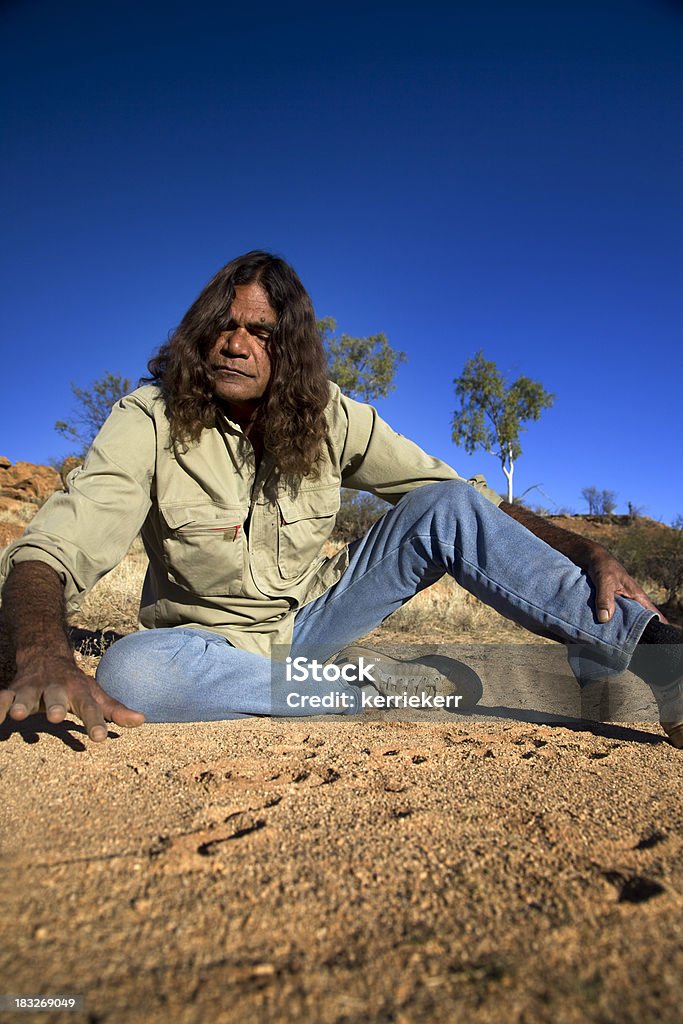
605,528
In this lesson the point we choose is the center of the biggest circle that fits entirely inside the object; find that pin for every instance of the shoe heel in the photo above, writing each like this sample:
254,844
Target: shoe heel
675,733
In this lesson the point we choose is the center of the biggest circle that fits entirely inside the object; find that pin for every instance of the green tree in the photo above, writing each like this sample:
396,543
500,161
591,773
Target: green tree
93,406
364,368
492,412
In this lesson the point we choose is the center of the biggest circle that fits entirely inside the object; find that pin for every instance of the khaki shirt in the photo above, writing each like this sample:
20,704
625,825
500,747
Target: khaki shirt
230,548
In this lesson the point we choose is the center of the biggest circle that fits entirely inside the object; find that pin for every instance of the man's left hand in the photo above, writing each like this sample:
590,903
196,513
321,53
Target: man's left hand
610,578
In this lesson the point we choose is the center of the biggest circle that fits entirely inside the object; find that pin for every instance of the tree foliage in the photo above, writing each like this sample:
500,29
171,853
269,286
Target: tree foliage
492,412
94,404
364,368
356,515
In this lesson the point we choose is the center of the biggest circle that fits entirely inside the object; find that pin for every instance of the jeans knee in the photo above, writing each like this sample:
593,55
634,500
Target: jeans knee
446,494
126,667
149,660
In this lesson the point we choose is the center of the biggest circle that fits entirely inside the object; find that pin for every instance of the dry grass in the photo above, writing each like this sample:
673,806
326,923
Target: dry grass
447,608
21,515
113,603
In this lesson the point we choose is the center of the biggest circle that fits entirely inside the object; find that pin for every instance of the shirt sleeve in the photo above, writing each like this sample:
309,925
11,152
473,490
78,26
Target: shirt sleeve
84,532
377,459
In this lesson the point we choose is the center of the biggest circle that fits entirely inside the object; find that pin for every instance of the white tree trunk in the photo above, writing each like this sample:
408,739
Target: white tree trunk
508,476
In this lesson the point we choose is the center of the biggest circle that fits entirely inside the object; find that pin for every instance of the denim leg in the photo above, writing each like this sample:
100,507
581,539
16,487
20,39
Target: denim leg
193,675
450,528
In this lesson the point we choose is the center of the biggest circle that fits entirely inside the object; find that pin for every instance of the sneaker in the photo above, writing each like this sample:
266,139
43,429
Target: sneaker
674,731
652,663
670,702
431,675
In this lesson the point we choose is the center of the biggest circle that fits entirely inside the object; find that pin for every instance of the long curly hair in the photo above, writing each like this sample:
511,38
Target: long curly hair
292,414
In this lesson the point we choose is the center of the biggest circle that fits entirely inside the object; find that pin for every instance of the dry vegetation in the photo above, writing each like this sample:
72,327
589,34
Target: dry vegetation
21,514
113,602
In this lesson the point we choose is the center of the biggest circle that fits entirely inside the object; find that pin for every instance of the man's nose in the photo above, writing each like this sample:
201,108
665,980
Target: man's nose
237,342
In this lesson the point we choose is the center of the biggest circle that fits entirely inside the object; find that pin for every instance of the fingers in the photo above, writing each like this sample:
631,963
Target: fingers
95,707
56,703
643,599
604,600
605,609
607,585
628,587
26,701
114,710
90,713
6,702
67,690
126,717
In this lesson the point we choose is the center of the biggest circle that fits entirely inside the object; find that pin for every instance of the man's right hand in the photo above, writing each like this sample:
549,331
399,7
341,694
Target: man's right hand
57,686
34,642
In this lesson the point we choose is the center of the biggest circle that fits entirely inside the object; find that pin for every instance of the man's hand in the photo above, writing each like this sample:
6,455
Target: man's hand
57,686
33,640
610,578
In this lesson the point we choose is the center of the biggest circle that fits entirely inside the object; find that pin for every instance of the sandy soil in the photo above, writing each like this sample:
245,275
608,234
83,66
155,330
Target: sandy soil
482,869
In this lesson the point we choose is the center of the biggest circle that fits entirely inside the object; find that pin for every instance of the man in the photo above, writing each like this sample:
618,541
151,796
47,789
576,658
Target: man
230,463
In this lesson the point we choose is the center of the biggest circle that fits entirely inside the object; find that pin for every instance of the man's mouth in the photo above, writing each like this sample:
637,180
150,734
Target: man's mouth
229,371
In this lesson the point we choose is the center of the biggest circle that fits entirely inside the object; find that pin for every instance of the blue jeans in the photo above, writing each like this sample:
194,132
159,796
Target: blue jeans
182,675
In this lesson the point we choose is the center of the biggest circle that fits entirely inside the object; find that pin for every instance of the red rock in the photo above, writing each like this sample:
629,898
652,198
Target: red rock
27,481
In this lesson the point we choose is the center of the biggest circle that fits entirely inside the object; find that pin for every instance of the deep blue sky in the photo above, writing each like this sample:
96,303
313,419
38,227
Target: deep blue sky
503,176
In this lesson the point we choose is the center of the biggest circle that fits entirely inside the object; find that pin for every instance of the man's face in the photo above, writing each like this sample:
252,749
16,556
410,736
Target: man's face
239,356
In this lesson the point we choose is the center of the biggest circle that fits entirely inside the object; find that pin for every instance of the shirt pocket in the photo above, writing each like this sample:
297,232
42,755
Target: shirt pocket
204,547
304,524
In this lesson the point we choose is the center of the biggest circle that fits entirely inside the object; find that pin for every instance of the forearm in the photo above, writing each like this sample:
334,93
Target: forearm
7,665
33,613
33,621
579,550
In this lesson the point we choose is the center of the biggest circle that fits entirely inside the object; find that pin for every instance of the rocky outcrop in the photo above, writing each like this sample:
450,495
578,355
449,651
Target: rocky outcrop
26,481
24,487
